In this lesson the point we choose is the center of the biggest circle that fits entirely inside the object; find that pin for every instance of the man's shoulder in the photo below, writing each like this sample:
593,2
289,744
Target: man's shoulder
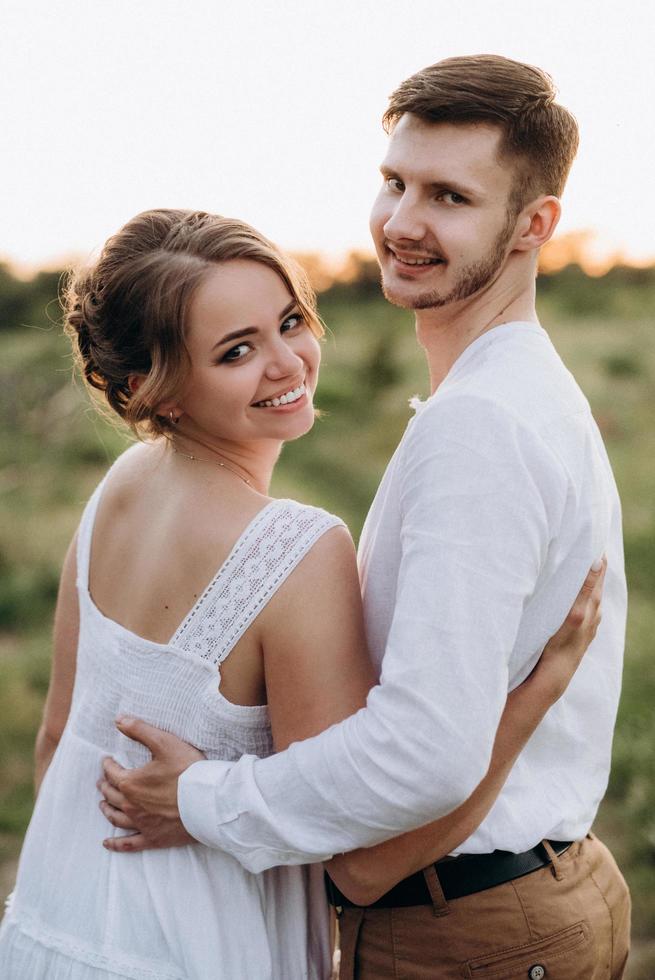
475,419
516,379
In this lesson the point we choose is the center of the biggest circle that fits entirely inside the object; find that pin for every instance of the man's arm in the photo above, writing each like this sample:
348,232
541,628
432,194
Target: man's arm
366,874
479,499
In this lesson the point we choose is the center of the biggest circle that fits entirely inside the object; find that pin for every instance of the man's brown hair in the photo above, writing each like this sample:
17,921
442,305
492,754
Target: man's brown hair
539,136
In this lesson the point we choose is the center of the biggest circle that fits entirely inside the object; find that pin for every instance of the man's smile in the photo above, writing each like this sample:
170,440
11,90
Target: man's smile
413,260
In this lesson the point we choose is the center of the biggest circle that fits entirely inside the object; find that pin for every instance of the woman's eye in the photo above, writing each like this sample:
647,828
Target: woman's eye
394,184
236,353
291,322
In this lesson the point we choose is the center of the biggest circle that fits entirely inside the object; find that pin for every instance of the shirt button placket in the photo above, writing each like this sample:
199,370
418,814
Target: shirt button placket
537,972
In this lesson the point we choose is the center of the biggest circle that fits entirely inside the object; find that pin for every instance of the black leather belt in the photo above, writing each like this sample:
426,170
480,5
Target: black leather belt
459,876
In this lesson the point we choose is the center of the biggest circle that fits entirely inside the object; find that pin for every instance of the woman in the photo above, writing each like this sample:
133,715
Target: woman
204,338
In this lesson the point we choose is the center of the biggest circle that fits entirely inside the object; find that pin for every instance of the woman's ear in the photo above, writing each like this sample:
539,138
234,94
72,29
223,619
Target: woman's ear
135,381
537,223
170,410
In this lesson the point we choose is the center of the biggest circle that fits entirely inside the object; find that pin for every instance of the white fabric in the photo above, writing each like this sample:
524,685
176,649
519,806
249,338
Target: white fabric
497,501
80,912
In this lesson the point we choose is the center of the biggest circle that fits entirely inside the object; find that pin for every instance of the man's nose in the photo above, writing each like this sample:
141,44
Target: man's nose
406,221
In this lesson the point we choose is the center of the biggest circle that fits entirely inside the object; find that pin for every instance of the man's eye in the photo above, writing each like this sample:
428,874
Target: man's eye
394,184
452,197
236,353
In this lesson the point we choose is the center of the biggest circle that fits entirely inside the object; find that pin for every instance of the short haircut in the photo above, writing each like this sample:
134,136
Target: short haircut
539,136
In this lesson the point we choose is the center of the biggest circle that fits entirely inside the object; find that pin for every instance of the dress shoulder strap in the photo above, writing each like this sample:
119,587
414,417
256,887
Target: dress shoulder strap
85,534
263,558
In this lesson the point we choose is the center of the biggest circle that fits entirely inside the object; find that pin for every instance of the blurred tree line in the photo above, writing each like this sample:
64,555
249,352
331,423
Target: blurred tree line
25,302
621,291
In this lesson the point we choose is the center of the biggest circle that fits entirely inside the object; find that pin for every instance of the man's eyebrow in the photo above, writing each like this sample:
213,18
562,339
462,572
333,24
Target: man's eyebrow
249,331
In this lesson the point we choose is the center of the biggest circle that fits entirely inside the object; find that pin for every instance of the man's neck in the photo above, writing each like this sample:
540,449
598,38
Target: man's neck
445,332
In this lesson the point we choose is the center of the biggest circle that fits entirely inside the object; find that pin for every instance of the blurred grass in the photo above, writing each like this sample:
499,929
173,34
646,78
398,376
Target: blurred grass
54,448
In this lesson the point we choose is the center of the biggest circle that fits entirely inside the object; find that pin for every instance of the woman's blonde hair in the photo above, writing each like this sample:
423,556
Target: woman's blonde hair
127,314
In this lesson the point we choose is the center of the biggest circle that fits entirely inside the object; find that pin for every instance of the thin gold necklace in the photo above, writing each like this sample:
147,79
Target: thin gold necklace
218,462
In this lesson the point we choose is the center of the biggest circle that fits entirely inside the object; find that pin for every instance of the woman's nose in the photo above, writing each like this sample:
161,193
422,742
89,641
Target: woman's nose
284,362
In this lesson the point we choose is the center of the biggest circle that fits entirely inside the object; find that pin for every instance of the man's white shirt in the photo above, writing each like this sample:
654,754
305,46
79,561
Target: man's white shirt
494,506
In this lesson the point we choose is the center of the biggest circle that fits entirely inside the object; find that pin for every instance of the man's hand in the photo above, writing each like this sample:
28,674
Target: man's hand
144,801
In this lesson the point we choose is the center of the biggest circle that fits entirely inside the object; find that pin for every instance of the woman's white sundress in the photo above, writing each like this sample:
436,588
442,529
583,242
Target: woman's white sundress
80,912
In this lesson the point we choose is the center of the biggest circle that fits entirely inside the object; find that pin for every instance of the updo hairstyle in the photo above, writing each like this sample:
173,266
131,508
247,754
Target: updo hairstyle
127,314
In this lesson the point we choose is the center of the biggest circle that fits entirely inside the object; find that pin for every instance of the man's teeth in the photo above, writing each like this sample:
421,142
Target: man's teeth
419,261
286,399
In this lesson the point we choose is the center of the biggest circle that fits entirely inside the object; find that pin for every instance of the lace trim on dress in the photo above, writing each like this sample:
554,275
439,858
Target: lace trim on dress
265,555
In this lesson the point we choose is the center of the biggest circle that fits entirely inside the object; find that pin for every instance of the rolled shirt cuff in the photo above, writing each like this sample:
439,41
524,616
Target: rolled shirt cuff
206,796
202,808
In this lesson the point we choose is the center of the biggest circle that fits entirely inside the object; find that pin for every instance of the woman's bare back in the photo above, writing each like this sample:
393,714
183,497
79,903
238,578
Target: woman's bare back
159,539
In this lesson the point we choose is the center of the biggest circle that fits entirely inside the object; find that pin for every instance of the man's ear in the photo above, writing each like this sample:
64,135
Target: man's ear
537,223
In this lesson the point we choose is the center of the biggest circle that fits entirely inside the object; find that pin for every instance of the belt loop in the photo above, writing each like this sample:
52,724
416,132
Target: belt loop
556,867
439,903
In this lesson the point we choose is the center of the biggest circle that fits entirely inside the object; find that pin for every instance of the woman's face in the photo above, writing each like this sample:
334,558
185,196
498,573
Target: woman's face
254,359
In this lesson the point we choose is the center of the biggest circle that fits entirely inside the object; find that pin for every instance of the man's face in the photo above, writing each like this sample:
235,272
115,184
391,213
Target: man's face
441,223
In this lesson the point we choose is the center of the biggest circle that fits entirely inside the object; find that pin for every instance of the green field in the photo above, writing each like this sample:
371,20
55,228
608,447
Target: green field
54,448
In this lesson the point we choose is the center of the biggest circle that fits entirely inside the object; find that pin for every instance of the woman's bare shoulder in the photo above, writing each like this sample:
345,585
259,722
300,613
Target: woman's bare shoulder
135,463
326,575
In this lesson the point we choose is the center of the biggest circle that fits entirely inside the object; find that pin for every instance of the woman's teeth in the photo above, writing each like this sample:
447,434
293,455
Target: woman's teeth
286,399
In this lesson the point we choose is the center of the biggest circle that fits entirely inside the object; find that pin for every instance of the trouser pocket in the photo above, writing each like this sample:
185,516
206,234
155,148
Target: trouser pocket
543,959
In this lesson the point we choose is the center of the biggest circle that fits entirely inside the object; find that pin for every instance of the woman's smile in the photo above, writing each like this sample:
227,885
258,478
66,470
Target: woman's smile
286,399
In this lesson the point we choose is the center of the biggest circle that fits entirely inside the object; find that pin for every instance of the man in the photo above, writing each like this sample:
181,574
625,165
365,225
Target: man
497,501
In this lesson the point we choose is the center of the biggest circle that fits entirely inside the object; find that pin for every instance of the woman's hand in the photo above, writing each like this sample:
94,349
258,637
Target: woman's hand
562,654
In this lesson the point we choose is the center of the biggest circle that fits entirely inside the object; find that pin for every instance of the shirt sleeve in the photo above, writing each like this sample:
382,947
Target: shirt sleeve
480,496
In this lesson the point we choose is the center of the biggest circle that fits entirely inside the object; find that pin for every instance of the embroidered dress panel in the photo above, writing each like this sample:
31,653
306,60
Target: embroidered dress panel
185,913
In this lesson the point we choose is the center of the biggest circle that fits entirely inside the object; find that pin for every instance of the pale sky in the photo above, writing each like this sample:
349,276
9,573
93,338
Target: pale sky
270,111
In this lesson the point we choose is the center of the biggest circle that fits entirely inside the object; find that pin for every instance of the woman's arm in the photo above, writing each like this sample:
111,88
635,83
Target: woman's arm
366,874
316,661
62,676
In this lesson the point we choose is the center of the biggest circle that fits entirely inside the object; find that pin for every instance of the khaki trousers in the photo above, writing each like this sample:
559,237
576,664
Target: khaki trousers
569,920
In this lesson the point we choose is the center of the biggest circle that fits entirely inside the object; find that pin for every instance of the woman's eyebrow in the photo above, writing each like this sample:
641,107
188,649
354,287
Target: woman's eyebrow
236,335
249,331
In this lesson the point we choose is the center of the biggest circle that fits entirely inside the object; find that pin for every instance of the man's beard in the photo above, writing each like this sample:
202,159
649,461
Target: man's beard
471,279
